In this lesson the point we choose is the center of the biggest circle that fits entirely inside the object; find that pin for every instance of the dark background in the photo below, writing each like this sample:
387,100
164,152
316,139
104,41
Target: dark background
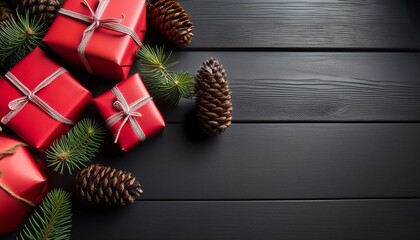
325,142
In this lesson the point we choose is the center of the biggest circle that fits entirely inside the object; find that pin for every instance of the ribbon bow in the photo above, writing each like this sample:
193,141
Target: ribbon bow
127,113
95,22
18,104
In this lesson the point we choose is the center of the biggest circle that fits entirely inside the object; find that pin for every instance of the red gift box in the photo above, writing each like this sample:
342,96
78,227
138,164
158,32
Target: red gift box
109,53
64,95
130,113
22,183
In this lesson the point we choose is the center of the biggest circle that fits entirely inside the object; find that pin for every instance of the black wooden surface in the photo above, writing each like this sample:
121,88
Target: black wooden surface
304,24
325,139
187,220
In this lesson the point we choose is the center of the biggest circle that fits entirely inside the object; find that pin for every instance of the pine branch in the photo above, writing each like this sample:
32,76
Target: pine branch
155,63
52,221
162,83
75,149
180,84
18,37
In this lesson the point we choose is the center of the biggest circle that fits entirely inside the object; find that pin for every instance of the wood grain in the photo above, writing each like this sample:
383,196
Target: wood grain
274,161
303,24
290,86
304,87
324,144
382,220
286,220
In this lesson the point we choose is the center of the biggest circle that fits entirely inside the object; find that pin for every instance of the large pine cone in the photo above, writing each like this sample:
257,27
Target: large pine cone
46,10
213,102
98,185
171,19
5,12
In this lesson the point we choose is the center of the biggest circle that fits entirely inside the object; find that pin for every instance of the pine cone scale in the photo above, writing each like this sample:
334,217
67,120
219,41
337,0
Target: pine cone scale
5,12
170,18
103,186
213,101
45,10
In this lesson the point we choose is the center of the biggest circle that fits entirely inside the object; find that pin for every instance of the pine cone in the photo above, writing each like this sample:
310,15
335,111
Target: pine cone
5,12
46,10
171,19
98,185
213,102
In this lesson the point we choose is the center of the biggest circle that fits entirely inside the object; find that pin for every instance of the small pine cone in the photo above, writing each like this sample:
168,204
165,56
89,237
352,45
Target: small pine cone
171,19
98,185
213,102
5,12
46,10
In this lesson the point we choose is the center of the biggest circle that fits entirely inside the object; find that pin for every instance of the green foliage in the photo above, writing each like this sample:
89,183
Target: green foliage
75,149
162,83
52,220
155,63
18,37
179,84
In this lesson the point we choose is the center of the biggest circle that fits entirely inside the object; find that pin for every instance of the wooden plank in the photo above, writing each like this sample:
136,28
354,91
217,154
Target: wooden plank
256,220
290,86
294,220
303,24
274,161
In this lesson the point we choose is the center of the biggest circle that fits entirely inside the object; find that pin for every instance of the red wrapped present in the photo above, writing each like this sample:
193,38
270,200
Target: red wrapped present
22,183
101,36
130,112
40,101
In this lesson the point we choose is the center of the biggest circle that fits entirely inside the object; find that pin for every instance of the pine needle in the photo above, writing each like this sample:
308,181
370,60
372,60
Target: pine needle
180,84
75,149
154,62
18,37
52,220
162,83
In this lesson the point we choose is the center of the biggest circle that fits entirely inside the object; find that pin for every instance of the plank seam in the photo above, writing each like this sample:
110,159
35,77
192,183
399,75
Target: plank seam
306,50
282,200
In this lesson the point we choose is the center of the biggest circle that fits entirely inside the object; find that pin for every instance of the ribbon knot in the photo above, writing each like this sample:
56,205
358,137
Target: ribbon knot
18,104
96,22
127,113
127,110
30,97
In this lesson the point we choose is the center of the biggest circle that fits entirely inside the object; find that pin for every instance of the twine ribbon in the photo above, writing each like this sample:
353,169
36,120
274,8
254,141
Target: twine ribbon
127,113
18,104
95,22
6,153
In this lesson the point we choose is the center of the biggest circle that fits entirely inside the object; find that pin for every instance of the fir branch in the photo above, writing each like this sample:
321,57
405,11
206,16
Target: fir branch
52,220
154,63
75,149
18,37
180,84
162,83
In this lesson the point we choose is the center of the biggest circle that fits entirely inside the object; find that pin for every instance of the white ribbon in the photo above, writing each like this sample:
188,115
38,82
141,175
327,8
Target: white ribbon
127,113
95,22
18,104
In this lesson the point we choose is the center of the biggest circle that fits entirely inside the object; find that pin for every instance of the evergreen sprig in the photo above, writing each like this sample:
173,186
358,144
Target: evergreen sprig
154,62
179,84
52,220
18,37
75,149
160,81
